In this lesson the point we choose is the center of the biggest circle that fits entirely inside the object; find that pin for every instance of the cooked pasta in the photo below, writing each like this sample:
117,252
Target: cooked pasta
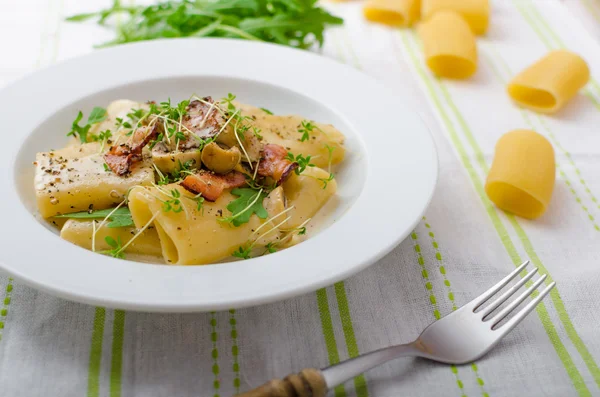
192,183
550,83
521,179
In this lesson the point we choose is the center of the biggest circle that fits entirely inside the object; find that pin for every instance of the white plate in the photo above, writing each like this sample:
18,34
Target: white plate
384,186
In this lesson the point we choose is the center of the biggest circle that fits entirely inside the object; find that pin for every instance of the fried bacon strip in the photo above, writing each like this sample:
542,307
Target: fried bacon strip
211,185
203,118
274,164
119,158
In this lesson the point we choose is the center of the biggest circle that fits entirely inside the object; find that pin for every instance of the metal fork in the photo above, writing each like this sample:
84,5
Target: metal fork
460,337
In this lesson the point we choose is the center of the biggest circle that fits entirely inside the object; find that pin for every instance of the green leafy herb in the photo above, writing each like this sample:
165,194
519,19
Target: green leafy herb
153,142
106,167
305,128
199,202
325,181
173,204
301,231
267,111
302,161
243,252
97,115
256,132
117,247
249,202
119,218
177,174
295,23
122,123
80,131
270,248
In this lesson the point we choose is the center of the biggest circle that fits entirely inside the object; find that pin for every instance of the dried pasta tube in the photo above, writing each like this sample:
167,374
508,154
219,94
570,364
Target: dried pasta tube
547,85
392,12
475,12
522,176
449,45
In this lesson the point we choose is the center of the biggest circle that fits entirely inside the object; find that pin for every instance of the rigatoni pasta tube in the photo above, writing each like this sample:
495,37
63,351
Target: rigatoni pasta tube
522,176
475,12
449,45
547,85
81,232
392,12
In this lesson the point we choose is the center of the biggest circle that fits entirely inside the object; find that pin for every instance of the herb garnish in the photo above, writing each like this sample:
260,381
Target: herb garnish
176,175
302,161
249,202
267,111
117,247
295,23
305,128
121,217
173,204
97,115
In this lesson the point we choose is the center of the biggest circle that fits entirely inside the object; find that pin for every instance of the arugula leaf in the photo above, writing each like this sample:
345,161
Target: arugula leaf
249,202
97,115
295,23
77,130
120,218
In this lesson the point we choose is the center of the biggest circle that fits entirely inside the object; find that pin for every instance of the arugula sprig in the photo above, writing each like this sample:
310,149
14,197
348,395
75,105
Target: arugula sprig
97,115
121,217
295,23
249,202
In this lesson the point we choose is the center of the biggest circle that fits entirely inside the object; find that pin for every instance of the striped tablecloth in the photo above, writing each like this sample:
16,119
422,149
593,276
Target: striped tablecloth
51,347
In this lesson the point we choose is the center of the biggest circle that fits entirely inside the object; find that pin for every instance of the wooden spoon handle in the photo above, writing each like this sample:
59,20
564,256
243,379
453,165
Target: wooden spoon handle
308,383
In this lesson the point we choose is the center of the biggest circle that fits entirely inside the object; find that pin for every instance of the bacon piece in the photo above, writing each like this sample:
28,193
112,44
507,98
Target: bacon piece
273,163
211,185
203,118
119,158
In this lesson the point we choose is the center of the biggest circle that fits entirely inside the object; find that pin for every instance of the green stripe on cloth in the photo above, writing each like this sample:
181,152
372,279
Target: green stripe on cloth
96,353
116,364
5,304
360,382
330,343
561,351
214,337
535,22
450,296
435,310
234,351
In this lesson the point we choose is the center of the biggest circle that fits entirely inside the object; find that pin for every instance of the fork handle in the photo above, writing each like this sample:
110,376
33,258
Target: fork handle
308,383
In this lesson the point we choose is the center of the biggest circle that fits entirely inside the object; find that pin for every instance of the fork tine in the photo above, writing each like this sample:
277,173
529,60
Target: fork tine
506,311
488,294
510,324
508,294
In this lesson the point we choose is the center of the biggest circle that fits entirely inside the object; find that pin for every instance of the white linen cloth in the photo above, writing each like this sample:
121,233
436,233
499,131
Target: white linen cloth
51,347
